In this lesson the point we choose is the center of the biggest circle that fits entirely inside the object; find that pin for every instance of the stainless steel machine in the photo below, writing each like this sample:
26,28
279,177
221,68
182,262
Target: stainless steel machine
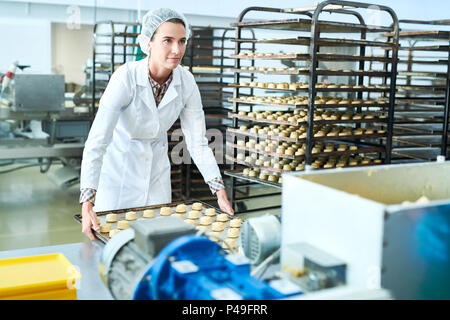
381,227
37,125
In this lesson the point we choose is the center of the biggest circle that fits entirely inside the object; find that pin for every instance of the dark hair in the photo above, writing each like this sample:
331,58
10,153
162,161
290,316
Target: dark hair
173,20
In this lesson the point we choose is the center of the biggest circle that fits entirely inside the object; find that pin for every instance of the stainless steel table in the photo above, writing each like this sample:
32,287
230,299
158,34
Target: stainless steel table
84,256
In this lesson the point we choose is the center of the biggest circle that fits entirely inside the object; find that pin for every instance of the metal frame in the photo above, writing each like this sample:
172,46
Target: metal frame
418,149
191,55
315,25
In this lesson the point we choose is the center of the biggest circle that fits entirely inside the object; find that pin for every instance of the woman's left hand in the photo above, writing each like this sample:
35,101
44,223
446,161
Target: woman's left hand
224,203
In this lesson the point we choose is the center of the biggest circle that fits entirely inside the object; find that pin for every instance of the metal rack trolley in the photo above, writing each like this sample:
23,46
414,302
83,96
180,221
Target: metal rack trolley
207,58
422,99
379,143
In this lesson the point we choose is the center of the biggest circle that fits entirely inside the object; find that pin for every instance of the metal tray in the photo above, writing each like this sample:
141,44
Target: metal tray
140,210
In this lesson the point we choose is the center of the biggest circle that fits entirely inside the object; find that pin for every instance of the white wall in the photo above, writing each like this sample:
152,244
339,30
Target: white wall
406,9
26,28
27,41
30,20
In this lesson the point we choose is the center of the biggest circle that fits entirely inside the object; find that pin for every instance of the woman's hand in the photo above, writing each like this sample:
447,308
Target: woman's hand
224,203
89,219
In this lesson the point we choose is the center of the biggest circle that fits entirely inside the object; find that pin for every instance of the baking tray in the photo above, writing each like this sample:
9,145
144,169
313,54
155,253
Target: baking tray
270,169
316,105
328,42
314,155
288,139
234,85
238,174
319,72
291,123
140,210
320,56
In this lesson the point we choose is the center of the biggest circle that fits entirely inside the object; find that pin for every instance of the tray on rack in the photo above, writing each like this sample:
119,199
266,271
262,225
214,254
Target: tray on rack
288,139
238,174
104,237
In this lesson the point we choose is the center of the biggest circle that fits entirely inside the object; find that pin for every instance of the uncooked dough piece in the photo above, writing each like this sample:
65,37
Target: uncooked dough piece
131,215
215,236
201,228
197,206
230,241
112,217
422,200
123,224
194,214
181,208
217,226
165,211
206,221
148,214
113,232
211,212
233,233
190,221
223,217
236,223
179,215
105,228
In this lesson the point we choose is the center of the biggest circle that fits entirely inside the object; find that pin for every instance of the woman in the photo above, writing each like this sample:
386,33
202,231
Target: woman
125,162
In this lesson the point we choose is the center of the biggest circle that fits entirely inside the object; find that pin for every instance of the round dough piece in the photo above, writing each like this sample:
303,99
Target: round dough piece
131,215
217,226
211,212
230,241
233,233
123,224
165,211
105,228
223,217
148,214
113,232
235,223
112,217
190,221
197,206
201,228
194,214
215,236
181,208
206,221
179,215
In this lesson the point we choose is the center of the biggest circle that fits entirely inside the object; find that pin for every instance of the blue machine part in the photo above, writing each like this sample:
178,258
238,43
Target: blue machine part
195,268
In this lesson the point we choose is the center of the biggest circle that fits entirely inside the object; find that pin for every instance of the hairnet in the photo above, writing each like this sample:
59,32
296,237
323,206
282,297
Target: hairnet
152,20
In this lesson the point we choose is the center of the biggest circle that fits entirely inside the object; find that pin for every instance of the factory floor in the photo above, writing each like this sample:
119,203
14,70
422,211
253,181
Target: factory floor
35,212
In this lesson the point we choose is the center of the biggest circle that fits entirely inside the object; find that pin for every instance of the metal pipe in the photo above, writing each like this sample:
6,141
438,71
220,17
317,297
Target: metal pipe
446,110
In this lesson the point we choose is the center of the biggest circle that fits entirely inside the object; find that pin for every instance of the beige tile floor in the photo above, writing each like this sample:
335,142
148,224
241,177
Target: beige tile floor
35,212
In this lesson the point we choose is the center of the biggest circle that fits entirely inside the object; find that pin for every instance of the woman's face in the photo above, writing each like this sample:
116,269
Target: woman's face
168,45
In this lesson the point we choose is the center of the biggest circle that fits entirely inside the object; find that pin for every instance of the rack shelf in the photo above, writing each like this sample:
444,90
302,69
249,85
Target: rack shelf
422,101
353,92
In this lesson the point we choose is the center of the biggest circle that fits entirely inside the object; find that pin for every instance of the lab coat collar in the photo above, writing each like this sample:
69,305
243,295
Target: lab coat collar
147,95
172,91
142,78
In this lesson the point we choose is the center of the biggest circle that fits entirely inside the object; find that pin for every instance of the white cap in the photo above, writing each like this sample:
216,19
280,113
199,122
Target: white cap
153,19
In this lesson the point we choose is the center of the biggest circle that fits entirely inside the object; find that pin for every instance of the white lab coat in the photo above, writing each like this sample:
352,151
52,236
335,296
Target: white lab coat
126,154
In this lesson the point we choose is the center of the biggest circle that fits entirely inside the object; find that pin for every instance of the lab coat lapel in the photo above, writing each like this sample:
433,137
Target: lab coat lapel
146,92
172,91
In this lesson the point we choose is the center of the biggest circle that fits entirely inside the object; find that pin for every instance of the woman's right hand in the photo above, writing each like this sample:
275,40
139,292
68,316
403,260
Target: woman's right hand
89,219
